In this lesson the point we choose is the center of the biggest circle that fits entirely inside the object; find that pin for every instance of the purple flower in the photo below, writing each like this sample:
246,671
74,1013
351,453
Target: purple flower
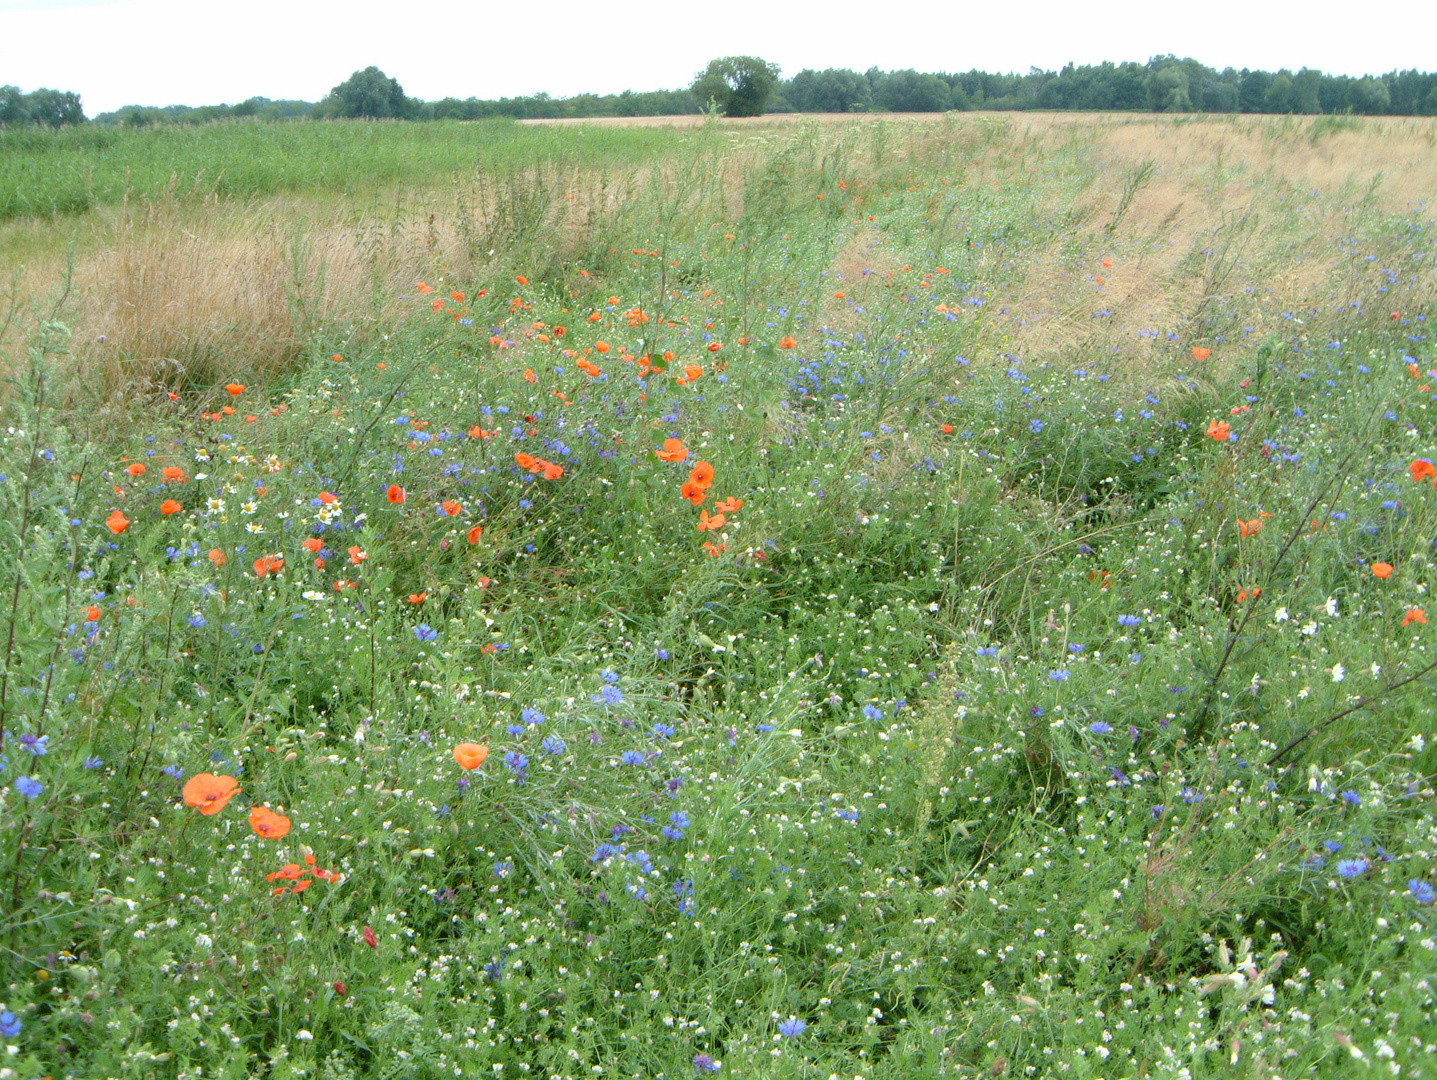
28,786
425,632
1347,869
704,1064
552,745
1351,798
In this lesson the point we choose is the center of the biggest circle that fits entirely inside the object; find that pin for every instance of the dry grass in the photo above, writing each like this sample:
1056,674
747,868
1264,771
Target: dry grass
1211,223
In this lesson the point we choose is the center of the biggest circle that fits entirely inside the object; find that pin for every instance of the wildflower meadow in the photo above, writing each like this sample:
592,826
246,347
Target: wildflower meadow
864,602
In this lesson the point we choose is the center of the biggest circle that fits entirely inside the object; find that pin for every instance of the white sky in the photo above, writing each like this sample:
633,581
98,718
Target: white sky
161,52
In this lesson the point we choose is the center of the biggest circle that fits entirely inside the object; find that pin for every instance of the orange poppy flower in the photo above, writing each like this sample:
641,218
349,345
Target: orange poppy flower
267,823
394,493
713,550
529,376
135,470
1107,262
450,508
268,564
117,522
473,534
228,410
470,755
1422,469
1218,430
217,557
552,471
234,389
1382,570
325,498
673,450
172,474
418,597
521,279
729,505
1248,528
709,524
356,555
209,793
947,429
702,474
601,346
169,506
1199,353
92,614
787,342
1415,615
311,543
694,493
526,462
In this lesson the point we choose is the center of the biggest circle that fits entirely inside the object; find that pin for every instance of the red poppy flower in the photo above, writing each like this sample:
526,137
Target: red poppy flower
209,793
673,450
702,474
1382,570
394,493
217,557
1415,615
1422,469
787,342
169,506
473,534
267,823
135,470
1199,353
1218,430
117,522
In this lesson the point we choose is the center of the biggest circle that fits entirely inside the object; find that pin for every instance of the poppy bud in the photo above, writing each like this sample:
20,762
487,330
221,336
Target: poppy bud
338,984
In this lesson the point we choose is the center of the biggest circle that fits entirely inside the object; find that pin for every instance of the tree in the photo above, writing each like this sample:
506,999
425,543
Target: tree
369,93
739,85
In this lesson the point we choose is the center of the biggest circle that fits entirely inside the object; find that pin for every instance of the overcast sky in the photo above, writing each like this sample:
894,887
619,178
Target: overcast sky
162,52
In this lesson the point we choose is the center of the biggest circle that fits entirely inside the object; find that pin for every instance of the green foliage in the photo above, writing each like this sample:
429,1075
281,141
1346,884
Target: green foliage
736,85
368,94
1018,718
44,108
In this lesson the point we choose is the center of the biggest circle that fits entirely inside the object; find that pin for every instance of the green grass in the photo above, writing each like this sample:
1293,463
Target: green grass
45,173
980,739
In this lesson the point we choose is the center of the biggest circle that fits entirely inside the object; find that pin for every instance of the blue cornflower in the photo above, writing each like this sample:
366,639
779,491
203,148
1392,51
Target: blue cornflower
552,745
609,676
678,822
531,716
1074,648
1422,892
174,772
631,757
1332,846
425,632
1035,426
9,1024
1191,796
603,852
515,729
1128,620
1348,869
609,695
872,712
38,745
661,654
196,620
92,762
663,731
988,650
1059,675
516,761
503,868
846,815
1100,727
1351,798
704,1064
28,786
791,1028
641,860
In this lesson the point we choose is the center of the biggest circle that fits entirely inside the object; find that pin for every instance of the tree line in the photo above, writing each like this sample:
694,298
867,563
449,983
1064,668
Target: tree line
749,86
